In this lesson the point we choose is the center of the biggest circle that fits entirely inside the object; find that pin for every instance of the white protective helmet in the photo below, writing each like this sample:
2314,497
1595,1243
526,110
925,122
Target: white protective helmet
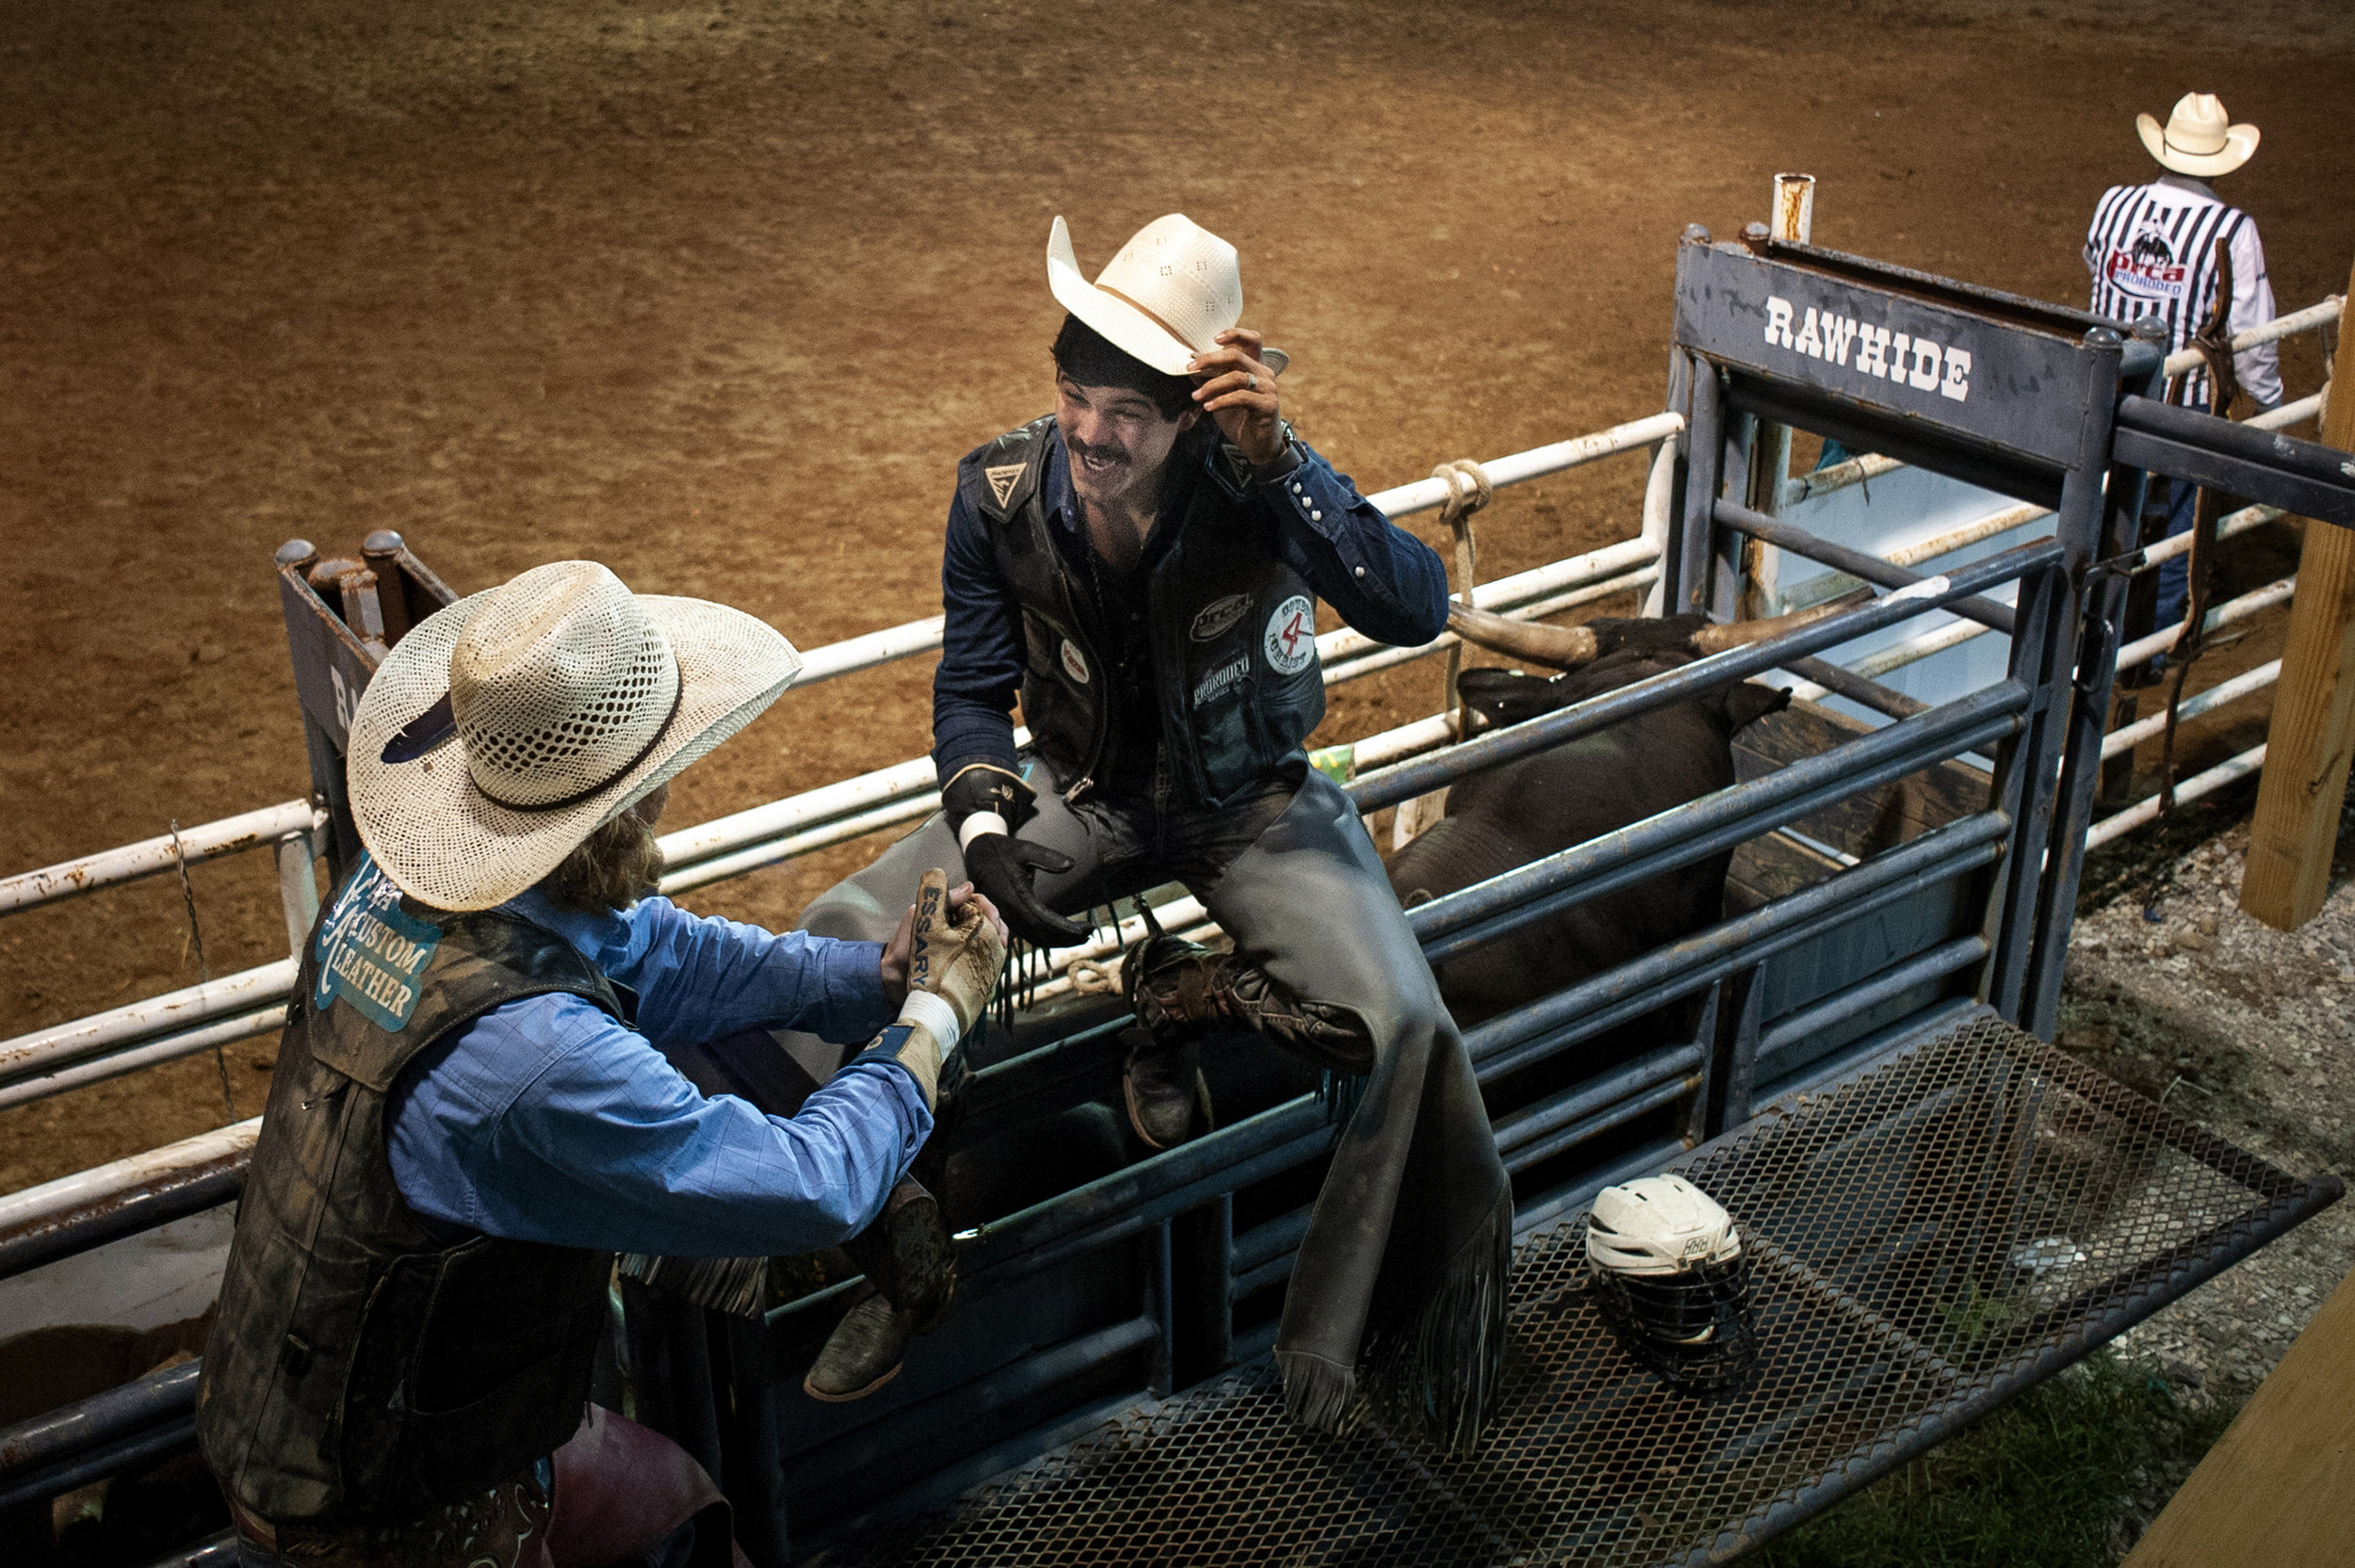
1667,1269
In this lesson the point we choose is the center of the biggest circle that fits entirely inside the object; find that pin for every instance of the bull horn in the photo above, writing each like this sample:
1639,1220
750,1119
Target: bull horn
1556,647
1716,639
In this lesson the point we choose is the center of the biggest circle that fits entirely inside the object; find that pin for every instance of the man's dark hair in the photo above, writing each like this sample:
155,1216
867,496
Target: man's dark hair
1089,358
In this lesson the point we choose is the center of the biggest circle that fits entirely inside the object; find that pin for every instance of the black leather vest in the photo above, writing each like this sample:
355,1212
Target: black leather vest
365,1368
1232,628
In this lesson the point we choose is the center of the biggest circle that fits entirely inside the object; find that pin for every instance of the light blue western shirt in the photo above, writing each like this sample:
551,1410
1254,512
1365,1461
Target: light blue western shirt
546,1120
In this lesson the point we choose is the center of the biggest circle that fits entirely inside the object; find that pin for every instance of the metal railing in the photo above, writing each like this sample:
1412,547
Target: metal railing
197,1018
1961,536
233,1007
151,1414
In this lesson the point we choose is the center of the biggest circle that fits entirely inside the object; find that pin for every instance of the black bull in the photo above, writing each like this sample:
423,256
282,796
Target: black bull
1508,816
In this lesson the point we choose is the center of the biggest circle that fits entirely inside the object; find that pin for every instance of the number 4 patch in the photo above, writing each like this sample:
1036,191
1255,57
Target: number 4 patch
1290,640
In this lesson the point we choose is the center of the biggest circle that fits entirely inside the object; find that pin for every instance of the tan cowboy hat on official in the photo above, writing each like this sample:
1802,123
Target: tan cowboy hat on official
1173,287
507,727
2198,139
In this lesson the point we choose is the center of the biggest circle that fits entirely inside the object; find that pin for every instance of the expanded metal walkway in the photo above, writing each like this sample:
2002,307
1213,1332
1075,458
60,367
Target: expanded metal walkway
1931,1235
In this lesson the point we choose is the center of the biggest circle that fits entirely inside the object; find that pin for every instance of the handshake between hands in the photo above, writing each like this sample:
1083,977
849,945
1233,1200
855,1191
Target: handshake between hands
942,964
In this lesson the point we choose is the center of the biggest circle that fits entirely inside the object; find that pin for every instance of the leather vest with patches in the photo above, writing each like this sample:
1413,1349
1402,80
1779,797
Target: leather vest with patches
365,1368
1232,628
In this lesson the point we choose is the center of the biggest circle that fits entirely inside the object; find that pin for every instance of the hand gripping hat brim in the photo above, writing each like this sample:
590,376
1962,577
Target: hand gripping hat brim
429,825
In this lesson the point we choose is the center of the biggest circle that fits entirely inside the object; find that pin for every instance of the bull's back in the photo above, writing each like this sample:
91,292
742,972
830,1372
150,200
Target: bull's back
1570,794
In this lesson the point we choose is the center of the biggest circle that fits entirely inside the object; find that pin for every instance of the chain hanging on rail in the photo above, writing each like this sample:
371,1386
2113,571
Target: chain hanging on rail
204,970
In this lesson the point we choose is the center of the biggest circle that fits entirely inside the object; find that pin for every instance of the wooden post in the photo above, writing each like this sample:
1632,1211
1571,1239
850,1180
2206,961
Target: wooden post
2314,707
2275,1488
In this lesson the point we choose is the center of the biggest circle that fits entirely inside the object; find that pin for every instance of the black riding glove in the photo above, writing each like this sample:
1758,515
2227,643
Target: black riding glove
1002,865
986,806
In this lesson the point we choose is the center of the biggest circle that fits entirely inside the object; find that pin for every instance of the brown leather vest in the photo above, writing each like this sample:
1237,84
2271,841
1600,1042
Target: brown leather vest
364,1368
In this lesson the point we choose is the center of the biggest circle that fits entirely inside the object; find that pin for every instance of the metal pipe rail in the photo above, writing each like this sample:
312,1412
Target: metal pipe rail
73,1213
152,857
2231,770
1470,917
1964,535
1510,1043
240,1003
1599,713
1856,563
34,1451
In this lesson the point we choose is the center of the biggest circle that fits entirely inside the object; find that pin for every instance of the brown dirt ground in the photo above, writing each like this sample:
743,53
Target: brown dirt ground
717,293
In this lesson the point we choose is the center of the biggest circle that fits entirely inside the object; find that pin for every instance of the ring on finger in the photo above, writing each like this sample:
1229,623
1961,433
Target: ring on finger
1250,381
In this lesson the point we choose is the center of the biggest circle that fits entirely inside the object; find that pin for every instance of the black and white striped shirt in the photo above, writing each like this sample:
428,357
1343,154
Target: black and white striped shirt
2151,250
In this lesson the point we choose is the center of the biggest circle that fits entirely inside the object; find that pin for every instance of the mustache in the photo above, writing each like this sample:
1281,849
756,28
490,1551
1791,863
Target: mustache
1100,454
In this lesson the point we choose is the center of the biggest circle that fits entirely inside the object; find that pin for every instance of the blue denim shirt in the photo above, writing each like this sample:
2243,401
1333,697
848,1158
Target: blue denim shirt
1383,580
546,1120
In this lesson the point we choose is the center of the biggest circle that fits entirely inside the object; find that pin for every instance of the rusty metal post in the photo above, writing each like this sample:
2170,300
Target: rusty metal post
383,550
363,610
1770,452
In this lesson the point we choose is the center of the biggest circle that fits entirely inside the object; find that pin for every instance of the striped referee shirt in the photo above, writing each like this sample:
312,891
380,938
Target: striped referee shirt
2151,250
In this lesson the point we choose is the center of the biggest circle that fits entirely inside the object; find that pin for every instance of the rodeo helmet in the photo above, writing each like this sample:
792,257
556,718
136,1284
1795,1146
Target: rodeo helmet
1666,1268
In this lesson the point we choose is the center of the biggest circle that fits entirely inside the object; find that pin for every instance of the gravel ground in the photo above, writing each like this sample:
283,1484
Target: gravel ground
2244,1029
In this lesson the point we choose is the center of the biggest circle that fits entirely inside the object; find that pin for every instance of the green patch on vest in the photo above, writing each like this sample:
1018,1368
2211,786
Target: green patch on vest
369,953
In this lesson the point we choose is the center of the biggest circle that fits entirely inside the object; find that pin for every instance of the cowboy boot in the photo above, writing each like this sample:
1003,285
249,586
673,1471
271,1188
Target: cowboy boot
910,1272
1163,1085
1171,981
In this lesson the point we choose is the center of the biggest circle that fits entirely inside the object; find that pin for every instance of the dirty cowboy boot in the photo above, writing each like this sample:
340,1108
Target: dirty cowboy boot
1179,988
1163,1081
912,1277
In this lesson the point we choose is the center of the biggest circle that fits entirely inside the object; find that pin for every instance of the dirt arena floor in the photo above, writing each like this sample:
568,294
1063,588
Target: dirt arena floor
718,293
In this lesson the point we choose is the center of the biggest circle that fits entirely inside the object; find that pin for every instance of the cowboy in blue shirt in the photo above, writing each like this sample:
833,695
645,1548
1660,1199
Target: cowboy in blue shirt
471,1112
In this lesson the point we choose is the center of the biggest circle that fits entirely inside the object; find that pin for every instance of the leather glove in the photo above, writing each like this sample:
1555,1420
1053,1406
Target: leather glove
981,798
986,806
1001,866
953,966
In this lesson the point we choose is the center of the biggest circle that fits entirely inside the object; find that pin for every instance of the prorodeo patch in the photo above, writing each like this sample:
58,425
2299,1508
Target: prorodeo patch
1290,640
1221,681
1074,663
369,953
1218,617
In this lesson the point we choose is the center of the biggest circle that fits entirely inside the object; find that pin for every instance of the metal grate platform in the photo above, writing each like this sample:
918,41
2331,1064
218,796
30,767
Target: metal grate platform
1931,1235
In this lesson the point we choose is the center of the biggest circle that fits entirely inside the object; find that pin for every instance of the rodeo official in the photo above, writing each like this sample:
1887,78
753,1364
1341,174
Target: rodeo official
470,1116
1141,567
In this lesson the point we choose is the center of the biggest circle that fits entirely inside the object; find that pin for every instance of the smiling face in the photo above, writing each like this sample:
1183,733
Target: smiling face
1118,442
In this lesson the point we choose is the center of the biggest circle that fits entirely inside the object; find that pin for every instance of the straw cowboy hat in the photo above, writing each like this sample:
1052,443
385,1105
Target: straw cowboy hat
1173,287
507,727
2197,139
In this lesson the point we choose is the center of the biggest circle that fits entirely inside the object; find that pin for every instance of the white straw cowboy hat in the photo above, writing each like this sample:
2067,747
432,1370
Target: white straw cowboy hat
2198,139
507,727
1173,287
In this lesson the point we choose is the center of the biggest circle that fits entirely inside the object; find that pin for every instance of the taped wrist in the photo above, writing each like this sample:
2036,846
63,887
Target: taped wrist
923,1038
980,798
